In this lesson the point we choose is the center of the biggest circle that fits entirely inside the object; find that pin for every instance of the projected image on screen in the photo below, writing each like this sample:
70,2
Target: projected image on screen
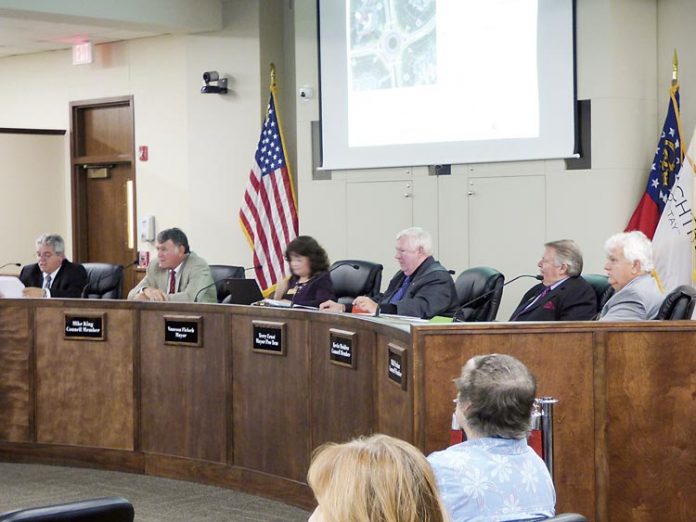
426,82
413,66
392,44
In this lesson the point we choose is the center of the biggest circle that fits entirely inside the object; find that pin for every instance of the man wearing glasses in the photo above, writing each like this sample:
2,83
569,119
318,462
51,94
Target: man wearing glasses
52,275
422,288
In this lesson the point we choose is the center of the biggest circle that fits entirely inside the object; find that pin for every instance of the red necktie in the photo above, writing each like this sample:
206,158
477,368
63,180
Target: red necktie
172,282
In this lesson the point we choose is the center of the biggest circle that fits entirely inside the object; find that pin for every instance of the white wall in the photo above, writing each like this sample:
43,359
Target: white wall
30,177
201,146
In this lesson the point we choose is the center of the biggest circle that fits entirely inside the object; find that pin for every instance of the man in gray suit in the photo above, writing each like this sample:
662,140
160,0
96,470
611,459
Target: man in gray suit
629,263
179,274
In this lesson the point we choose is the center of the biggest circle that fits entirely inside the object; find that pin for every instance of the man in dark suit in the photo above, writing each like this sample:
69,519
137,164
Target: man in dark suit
422,288
53,275
562,295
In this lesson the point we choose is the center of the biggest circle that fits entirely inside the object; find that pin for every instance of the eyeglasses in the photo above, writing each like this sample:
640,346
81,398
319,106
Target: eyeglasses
45,255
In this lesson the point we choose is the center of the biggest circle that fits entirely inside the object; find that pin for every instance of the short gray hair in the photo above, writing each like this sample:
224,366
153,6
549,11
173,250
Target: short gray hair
500,392
635,247
51,240
568,252
420,238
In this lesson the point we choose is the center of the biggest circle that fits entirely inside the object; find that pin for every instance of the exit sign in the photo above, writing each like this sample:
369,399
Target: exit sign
82,53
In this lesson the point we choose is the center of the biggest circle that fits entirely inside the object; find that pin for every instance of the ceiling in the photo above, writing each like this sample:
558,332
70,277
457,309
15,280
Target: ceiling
34,26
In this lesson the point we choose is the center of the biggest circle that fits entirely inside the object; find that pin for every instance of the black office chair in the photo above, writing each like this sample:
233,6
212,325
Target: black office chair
602,288
567,517
353,277
678,305
104,281
105,509
222,272
479,290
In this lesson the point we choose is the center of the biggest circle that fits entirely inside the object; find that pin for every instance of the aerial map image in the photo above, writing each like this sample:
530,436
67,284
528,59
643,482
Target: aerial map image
392,44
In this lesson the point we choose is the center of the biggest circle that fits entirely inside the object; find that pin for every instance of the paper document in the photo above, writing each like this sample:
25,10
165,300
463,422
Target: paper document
10,287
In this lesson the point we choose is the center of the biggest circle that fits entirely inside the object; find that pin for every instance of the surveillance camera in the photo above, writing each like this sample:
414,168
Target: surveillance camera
306,92
210,76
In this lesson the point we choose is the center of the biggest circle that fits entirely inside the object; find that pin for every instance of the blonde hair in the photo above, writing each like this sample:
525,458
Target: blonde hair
374,479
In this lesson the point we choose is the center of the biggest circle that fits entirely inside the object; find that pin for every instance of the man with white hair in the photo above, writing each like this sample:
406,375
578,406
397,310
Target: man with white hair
629,263
422,288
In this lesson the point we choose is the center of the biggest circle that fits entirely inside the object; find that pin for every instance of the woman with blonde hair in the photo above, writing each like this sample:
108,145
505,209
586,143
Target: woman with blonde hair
373,479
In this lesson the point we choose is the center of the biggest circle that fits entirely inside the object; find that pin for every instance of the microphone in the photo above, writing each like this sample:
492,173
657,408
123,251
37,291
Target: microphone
10,264
461,308
256,267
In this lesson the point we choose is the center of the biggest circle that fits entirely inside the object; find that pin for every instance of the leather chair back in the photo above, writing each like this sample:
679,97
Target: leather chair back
104,281
105,509
349,282
678,305
479,288
222,272
602,288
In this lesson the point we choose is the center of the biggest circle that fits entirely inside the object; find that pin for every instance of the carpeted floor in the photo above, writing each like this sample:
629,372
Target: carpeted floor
154,499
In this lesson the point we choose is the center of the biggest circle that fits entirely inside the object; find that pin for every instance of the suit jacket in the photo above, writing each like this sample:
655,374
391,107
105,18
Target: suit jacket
639,300
193,276
318,289
430,293
572,300
70,280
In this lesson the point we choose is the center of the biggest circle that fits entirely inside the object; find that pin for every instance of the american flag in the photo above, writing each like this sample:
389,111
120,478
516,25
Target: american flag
269,211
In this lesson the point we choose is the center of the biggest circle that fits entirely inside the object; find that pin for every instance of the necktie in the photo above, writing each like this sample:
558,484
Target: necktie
47,282
399,294
538,298
172,282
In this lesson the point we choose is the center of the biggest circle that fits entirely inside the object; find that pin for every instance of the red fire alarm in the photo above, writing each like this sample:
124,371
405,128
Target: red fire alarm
142,152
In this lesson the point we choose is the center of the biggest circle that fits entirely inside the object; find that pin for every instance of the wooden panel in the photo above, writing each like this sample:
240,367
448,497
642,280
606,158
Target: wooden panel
15,346
183,390
84,389
394,404
651,426
341,398
105,131
562,365
271,400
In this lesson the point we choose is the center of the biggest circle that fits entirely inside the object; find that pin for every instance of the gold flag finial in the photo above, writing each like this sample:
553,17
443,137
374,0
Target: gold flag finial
675,68
273,76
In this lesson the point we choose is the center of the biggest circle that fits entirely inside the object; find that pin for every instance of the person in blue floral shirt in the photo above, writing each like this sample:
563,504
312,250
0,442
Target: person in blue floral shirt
494,475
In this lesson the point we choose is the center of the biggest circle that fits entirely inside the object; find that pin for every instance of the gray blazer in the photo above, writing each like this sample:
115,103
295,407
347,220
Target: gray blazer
639,300
191,278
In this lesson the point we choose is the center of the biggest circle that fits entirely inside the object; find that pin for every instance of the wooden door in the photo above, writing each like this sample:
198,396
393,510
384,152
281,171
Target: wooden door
103,183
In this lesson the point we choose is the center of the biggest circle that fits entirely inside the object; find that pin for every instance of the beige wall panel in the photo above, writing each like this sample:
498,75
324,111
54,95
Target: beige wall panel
33,188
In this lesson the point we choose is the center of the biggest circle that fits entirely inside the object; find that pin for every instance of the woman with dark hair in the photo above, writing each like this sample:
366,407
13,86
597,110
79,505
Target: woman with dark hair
310,282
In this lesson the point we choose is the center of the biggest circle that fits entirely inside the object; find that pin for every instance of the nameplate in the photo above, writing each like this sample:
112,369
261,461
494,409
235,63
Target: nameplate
268,337
183,330
396,365
342,348
90,327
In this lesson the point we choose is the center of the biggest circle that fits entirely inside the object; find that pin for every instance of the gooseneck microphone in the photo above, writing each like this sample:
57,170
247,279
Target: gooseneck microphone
195,299
10,264
486,294
255,267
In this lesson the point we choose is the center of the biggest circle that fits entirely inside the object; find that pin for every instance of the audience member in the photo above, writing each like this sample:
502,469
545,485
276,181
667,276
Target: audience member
378,478
494,475
310,282
629,263
179,274
53,275
422,288
562,295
